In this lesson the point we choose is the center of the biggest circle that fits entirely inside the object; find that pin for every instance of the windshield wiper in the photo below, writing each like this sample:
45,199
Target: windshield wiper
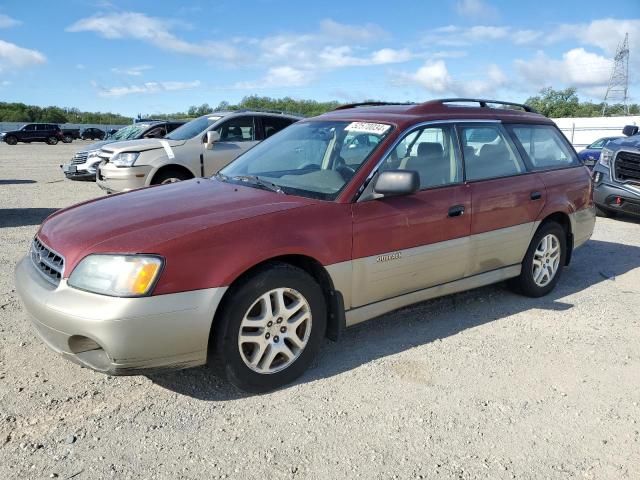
254,180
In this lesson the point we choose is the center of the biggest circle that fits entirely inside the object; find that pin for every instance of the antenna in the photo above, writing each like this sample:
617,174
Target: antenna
619,80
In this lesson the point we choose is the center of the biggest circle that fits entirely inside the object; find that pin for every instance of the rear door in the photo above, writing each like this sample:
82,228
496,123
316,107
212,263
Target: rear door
272,124
506,197
237,135
409,243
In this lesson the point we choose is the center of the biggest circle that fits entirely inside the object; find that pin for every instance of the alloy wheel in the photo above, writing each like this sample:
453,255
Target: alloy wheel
275,330
546,260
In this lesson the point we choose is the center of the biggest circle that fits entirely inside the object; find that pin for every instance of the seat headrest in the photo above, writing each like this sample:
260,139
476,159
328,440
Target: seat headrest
429,148
493,150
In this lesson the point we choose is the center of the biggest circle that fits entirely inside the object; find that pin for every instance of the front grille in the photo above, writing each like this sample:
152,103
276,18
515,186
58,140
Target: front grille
79,158
49,263
627,167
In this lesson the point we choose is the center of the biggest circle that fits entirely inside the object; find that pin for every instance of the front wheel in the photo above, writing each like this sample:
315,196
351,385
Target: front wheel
170,176
270,328
11,140
52,140
543,262
67,139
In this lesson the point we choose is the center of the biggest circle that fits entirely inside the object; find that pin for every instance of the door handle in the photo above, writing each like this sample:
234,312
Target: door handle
456,210
536,195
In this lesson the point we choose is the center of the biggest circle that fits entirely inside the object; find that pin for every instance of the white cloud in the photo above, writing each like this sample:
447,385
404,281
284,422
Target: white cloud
5,83
6,21
135,71
13,56
276,77
434,77
357,33
524,37
577,68
476,9
152,30
455,36
148,87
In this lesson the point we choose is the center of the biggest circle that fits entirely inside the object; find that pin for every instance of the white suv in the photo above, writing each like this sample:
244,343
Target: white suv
199,148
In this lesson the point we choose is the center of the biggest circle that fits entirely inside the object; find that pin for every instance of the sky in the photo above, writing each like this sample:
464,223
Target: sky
157,56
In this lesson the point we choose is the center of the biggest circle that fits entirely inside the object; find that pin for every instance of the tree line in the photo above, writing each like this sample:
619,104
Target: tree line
550,102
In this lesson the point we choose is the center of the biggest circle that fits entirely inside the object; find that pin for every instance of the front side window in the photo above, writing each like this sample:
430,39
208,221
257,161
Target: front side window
488,153
238,129
29,128
306,158
431,152
598,144
543,146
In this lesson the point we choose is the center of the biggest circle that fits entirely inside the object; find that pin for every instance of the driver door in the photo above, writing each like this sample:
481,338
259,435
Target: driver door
237,135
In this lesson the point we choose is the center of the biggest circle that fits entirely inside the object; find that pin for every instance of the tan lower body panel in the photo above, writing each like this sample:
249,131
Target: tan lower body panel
582,223
367,312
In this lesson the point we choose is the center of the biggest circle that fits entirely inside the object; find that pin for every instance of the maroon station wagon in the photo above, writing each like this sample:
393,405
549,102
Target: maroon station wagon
334,220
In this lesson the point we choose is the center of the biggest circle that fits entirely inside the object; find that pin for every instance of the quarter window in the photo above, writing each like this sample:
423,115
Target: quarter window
543,146
429,151
488,153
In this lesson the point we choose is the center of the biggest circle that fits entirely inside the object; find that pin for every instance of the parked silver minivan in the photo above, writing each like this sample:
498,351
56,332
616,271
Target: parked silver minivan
199,148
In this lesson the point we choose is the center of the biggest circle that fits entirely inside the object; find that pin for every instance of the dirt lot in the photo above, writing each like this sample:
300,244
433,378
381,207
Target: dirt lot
484,384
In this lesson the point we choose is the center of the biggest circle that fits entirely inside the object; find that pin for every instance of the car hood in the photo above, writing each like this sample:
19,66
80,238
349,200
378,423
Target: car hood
145,220
633,142
143,144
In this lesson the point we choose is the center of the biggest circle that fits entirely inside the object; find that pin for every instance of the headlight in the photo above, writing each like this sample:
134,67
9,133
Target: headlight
606,156
92,154
124,159
117,275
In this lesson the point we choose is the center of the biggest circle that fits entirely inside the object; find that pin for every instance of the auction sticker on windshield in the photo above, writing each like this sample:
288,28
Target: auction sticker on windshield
366,127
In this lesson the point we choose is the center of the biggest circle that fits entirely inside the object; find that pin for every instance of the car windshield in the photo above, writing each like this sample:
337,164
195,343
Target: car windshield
313,159
193,128
131,132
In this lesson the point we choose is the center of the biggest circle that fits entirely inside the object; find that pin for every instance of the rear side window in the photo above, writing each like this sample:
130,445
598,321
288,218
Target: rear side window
238,129
274,125
544,146
488,153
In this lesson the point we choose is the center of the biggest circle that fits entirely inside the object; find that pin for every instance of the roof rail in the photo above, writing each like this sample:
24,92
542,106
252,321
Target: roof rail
369,104
483,103
263,110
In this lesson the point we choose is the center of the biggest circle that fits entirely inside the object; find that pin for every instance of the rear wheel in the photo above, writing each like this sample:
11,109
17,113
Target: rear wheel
543,262
11,140
52,140
170,176
270,329
67,139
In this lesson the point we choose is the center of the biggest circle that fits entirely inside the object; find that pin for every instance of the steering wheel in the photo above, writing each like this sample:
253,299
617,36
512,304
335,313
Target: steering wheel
343,169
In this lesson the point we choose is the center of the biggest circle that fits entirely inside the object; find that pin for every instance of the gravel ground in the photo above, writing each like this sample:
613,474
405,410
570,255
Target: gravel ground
484,384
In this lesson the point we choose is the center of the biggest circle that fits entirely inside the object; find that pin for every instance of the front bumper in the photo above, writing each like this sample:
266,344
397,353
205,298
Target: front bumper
122,179
606,193
119,336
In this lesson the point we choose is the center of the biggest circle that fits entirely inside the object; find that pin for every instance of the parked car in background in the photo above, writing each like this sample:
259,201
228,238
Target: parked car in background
70,134
591,154
33,132
83,165
250,269
93,133
617,175
197,149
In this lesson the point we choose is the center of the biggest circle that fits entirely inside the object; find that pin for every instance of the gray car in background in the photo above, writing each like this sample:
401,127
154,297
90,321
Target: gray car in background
84,164
199,148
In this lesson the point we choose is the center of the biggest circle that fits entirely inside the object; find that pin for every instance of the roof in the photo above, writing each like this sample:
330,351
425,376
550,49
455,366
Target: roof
441,109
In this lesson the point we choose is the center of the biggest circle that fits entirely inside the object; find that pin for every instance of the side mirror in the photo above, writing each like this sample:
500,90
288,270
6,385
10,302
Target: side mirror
212,137
391,183
630,130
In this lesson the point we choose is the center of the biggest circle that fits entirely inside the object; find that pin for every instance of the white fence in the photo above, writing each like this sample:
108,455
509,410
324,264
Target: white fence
585,130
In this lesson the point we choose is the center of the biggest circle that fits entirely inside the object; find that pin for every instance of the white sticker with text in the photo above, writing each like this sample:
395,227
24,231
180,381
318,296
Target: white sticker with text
366,127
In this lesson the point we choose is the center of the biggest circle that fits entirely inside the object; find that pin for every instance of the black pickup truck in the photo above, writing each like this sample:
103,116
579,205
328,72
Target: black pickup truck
34,132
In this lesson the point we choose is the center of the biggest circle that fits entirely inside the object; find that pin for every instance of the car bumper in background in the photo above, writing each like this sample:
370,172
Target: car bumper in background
121,179
119,336
615,197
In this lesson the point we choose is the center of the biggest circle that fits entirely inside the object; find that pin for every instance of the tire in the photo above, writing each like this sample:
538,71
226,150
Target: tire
232,358
170,176
526,283
67,139
605,212
11,140
52,140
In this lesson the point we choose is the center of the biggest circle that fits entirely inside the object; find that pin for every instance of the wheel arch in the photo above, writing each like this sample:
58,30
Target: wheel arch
333,299
168,167
564,220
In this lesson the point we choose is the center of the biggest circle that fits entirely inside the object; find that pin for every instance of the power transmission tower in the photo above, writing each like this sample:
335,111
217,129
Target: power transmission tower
619,80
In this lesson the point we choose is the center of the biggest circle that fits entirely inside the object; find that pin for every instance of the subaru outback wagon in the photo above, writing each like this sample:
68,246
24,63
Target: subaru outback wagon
335,220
